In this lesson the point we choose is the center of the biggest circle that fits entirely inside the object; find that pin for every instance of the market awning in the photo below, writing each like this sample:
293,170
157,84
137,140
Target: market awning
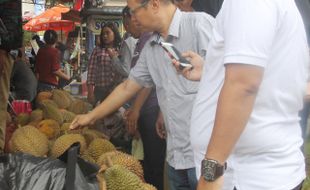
72,15
50,19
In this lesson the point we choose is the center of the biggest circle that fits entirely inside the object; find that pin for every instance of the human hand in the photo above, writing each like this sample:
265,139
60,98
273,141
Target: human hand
160,126
194,73
82,121
206,185
112,52
131,120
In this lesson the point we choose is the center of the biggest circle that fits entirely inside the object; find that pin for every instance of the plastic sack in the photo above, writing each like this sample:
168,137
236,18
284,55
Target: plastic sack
21,171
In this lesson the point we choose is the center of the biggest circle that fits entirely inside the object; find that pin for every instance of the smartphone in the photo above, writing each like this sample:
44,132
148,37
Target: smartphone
169,48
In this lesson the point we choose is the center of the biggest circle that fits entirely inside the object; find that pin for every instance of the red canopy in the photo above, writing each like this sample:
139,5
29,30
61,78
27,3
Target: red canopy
50,20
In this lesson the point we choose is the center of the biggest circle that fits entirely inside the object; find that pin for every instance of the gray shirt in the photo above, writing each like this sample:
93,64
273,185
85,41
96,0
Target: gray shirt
187,31
122,62
24,81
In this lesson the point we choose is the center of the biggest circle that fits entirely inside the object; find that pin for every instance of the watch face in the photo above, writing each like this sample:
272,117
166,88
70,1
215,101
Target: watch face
208,170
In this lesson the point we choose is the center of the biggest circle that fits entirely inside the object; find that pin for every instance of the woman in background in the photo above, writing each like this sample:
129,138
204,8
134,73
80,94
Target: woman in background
102,77
48,64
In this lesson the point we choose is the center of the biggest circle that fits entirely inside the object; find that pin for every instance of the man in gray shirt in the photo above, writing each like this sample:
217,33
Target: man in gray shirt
187,31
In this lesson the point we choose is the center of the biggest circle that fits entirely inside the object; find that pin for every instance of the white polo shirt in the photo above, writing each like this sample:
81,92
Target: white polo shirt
268,34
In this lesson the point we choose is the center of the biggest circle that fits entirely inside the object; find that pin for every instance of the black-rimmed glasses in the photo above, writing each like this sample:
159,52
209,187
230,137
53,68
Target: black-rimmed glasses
134,10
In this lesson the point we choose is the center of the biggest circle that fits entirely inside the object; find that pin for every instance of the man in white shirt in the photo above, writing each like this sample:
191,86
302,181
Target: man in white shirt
245,117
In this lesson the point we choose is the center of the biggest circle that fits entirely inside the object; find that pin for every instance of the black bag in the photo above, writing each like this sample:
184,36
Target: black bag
21,171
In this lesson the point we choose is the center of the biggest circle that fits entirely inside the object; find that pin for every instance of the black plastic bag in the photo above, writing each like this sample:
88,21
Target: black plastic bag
21,171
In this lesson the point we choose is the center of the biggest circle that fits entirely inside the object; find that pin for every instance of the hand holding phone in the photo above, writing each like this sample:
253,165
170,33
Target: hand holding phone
169,48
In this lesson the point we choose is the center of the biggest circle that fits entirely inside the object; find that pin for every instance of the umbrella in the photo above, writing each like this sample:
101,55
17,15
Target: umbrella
50,20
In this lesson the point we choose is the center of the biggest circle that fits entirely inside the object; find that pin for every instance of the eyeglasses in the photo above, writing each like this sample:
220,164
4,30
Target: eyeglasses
134,10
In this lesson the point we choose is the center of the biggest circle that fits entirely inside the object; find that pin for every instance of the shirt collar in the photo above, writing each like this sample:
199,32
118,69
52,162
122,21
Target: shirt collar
175,24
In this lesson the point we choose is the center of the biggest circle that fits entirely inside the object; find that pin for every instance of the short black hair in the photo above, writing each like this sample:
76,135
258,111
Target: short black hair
50,37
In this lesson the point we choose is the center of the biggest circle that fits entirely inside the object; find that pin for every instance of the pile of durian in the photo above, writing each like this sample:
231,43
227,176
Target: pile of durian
45,132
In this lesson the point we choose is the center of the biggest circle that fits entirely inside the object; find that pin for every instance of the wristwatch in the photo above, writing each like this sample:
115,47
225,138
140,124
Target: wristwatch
211,169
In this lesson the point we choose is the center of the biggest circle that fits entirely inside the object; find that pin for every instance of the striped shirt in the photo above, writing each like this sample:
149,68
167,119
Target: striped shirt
187,31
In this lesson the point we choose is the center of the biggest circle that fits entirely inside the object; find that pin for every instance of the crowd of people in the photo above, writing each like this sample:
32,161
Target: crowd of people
231,121
23,77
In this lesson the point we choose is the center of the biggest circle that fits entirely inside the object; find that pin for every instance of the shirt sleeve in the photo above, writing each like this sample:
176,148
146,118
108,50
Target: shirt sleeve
122,63
92,67
204,27
250,28
140,73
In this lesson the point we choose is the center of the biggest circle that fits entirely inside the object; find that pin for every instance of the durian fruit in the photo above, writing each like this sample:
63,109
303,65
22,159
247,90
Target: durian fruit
45,102
43,96
29,139
51,112
34,123
36,115
61,99
69,96
119,178
91,134
51,144
87,157
78,107
103,158
126,160
22,119
67,116
63,142
99,146
49,127
149,186
64,128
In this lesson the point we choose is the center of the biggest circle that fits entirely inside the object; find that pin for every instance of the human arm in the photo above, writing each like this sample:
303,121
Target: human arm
121,63
61,74
234,107
55,67
115,100
134,112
